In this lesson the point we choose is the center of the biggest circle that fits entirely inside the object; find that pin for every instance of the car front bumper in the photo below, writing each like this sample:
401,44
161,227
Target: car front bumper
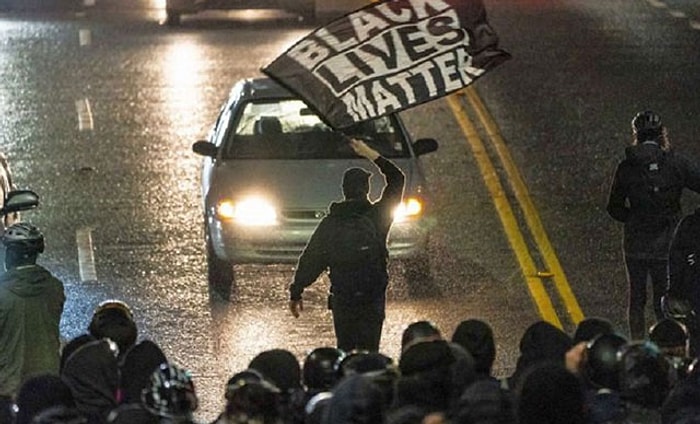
284,243
193,6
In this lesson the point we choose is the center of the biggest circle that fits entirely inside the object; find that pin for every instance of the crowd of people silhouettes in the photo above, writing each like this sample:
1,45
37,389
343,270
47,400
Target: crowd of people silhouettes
597,375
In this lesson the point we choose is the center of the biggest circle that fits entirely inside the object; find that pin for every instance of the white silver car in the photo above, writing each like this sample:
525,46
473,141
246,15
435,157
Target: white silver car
271,169
174,9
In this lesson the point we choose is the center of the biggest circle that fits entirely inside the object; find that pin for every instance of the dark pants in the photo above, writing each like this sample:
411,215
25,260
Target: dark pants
357,325
638,272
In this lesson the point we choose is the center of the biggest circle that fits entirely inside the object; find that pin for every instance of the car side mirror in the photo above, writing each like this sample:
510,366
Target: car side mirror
19,200
205,148
424,145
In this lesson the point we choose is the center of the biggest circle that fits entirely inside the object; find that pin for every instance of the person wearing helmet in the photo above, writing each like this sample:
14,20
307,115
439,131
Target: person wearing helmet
31,305
113,319
645,195
379,368
601,367
320,374
281,368
671,336
170,395
600,372
319,371
251,398
419,331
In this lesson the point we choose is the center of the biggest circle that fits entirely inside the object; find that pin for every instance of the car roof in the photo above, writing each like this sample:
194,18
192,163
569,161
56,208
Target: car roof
263,88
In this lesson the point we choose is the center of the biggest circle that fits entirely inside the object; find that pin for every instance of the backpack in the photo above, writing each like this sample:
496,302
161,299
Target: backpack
354,243
661,185
356,256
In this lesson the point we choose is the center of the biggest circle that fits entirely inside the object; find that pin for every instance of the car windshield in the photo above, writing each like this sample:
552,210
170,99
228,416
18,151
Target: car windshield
288,129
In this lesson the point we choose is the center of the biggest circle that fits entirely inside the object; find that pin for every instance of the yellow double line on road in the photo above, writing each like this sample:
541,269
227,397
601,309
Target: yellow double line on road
516,237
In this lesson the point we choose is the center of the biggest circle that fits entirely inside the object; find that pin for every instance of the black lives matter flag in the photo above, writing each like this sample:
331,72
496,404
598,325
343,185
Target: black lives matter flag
389,56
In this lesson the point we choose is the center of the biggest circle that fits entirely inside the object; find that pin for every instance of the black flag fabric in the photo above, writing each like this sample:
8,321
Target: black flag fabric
389,56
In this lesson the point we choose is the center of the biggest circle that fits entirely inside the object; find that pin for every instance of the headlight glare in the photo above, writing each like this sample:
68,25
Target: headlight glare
253,211
410,207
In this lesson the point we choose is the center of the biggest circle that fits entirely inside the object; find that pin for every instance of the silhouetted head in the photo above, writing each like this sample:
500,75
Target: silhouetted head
113,319
419,331
602,366
647,126
320,371
23,243
356,183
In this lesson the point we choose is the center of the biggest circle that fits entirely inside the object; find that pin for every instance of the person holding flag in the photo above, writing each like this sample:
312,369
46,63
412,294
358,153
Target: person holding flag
351,243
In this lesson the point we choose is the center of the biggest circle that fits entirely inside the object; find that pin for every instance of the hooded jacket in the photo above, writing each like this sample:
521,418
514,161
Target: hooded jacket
314,260
92,373
542,342
650,210
31,304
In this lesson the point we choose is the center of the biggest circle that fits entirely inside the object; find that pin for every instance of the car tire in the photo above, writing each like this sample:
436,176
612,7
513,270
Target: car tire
172,18
417,269
220,273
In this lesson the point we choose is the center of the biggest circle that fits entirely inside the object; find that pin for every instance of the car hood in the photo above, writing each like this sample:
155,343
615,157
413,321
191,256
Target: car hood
298,184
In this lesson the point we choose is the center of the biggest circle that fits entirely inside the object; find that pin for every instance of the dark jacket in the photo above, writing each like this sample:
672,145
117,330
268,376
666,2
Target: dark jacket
314,260
131,413
650,210
542,342
682,405
484,402
604,406
92,373
31,304
637,414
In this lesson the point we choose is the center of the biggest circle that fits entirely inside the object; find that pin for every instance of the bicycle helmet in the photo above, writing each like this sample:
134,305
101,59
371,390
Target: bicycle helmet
247,377
646,121
676,308
363,362
170,393
114,320
23,236
251,398
280,367
419,331
602,366
319,371
669,333
113,305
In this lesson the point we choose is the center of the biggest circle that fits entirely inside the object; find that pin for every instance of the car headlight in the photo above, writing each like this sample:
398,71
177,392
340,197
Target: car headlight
253,211
409,208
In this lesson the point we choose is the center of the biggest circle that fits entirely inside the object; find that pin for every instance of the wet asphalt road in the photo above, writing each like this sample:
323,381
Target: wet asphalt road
580,70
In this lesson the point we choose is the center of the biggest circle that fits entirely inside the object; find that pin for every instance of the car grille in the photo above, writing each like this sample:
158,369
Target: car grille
305,215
